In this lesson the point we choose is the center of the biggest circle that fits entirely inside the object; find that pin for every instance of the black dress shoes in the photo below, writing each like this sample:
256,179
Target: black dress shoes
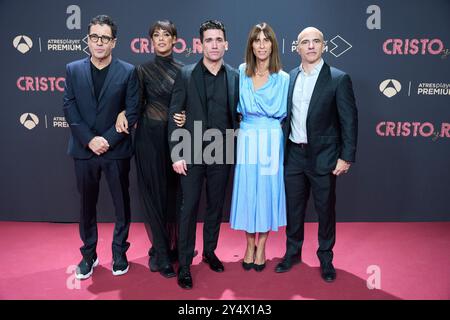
152,260
184,277
214,262
167,271
328,272
286,264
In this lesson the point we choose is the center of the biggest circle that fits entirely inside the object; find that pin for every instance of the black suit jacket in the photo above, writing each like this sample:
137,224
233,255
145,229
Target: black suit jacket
332,120
189,94
88,117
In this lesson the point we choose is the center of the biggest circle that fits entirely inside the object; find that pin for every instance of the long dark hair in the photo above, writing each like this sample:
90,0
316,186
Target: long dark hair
250,59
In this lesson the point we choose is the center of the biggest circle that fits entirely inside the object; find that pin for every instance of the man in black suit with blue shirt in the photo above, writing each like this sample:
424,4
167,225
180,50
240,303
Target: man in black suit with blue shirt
320,142
97,89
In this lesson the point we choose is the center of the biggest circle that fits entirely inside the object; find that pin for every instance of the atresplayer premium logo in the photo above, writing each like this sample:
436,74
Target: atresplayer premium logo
29,120
433,89
60,122
390,87
64,45
22,43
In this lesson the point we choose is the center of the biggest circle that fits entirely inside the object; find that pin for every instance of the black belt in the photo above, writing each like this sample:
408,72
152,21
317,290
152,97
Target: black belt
300,145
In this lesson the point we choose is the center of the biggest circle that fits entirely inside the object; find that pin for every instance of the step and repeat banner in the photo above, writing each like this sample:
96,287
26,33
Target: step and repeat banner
397,53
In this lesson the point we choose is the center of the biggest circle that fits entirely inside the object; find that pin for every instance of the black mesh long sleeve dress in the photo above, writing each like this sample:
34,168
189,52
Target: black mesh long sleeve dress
158,183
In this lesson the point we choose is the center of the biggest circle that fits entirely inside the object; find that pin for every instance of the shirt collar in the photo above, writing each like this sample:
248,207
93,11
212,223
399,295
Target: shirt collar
205,69
315,70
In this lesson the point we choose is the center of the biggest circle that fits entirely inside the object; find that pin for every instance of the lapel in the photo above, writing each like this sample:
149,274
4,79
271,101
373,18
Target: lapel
292,79
322,80
88,74
109,76
231,83
199,81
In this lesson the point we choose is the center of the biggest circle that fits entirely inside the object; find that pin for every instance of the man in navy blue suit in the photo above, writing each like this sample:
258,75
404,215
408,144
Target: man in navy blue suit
97,89
320,141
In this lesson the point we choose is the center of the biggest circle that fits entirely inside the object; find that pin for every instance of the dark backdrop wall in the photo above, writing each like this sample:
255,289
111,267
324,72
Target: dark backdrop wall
397,53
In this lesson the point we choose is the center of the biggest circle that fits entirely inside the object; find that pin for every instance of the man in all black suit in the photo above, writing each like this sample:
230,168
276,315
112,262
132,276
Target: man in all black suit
97,89
320,137
207,91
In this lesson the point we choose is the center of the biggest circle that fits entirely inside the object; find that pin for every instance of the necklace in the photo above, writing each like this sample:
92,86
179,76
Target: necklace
261,74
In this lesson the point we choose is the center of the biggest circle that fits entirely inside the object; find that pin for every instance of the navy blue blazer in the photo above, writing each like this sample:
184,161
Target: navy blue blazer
88,117
332,119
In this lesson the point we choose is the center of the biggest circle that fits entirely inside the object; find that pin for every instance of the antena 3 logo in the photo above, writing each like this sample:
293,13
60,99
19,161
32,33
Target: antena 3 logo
390,87
29,120
22,43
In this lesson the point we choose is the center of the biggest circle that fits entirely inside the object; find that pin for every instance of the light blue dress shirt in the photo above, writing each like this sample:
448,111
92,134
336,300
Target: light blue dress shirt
303,90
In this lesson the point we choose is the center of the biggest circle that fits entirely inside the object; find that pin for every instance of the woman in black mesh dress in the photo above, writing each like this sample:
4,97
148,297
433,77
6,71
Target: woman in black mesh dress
158,183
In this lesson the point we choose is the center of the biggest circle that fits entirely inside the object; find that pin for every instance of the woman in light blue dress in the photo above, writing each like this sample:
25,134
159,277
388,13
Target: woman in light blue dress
258,202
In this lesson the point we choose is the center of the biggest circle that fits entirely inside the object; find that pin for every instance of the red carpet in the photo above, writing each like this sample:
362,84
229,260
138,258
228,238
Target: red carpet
38,259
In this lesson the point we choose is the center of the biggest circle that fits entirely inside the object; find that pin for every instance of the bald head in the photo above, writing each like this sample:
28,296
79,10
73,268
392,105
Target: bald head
310,46
310,30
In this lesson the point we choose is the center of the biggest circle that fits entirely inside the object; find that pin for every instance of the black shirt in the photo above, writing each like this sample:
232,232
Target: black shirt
217,99
156,79
98,78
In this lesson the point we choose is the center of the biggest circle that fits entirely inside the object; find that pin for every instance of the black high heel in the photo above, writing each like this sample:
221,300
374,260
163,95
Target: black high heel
250,265
258,267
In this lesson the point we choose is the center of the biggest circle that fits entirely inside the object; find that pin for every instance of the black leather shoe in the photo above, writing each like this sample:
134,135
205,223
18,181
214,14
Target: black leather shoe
152,260
328,272
167,271
214,262
184,278
286,264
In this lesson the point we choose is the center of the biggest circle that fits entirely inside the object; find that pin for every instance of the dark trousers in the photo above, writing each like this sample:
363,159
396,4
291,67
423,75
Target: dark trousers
88,174
300,179
158,187
216,181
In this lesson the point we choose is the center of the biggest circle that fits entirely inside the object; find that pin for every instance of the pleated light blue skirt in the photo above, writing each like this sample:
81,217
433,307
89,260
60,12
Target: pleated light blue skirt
259,200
